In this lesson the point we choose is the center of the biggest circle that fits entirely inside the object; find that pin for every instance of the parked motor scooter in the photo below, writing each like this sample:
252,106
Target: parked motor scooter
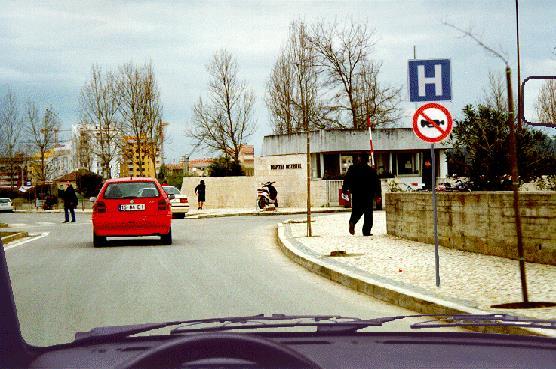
267,195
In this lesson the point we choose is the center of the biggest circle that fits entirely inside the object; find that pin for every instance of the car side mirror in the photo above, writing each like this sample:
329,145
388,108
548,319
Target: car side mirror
171,196
93,199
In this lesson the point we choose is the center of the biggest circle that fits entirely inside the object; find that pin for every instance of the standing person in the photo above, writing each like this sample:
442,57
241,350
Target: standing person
70,202
200,192
362,182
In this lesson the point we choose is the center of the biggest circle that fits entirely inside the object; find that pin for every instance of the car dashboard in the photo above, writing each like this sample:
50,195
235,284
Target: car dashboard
360,350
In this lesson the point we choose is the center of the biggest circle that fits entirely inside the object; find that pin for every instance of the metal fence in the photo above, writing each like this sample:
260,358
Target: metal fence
332,188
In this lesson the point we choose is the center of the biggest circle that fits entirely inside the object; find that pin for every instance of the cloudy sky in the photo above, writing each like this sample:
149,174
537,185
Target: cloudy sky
47,48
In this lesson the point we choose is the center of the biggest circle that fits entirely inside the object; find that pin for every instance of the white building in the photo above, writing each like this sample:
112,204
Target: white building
62,161
84,138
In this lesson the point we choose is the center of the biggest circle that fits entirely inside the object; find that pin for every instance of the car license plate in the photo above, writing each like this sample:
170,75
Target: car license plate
132,207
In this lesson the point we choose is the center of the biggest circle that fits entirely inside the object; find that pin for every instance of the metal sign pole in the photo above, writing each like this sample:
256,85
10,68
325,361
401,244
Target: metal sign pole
435,211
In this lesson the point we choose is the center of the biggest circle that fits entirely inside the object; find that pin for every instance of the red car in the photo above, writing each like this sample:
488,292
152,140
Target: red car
132,207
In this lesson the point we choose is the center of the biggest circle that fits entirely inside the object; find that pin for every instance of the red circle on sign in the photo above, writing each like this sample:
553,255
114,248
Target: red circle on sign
443,133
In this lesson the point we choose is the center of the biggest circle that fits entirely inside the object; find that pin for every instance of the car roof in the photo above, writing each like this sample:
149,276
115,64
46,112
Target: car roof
131,179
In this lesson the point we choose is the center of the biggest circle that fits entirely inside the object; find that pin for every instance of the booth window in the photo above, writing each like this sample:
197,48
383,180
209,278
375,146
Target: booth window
406,163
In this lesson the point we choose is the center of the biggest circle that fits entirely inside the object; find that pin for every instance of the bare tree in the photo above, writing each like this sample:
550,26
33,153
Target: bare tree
352,76
152,114
131,89
293,89
100,109
43,132
546,102
225,121
279,95
380,104
495,96
10,134
343,50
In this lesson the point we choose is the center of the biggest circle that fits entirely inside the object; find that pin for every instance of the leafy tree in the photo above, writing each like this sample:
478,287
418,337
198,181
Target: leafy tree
481,150
88,183
224,167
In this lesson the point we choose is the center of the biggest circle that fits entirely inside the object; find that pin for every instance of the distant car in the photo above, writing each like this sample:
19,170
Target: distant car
180,202
127,207
6,204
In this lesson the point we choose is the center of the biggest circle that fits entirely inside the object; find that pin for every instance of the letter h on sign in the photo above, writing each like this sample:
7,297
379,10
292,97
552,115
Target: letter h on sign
429,80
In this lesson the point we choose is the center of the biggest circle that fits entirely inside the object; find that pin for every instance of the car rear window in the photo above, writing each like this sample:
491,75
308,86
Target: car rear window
171,190
4,201
130,190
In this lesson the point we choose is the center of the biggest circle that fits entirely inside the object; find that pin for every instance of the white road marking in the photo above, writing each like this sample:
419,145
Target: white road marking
25,240
45,223
17,224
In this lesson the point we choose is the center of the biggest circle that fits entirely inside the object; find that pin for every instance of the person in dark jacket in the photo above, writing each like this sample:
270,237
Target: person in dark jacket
70,202
200,192
362,182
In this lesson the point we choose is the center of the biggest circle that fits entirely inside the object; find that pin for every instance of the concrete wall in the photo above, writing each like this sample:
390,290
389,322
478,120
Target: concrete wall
241,192
479,222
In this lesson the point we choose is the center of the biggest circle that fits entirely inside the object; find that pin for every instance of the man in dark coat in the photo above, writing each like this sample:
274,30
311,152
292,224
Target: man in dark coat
70,202
362,182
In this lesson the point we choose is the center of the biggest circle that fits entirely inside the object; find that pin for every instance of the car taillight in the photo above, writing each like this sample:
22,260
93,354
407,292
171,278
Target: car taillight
183,201
162,205
99,207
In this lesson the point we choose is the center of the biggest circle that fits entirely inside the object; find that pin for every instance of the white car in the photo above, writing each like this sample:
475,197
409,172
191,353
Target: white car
180,202
6,204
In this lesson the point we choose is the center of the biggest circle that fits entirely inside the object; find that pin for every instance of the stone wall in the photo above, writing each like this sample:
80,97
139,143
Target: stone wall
481,222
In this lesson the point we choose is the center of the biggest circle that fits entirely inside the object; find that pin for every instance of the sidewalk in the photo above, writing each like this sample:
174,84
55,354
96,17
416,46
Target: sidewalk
226,212
402,272
51,211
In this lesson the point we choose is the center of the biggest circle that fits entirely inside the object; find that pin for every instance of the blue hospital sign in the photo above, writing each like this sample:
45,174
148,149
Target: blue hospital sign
429,80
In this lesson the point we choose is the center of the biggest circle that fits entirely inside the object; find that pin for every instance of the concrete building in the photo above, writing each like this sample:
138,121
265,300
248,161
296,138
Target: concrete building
133,158
398,153
247,159
61,161
198,167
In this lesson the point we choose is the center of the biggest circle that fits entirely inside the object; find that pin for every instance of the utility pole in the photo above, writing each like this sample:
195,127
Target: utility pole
519,87
309,229
515,186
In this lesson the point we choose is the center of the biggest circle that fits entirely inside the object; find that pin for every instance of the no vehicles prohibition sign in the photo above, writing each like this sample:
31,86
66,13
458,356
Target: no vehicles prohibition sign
432,122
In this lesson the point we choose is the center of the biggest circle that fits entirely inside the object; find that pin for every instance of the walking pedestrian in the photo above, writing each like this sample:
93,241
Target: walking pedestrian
200,192
362,182
70,202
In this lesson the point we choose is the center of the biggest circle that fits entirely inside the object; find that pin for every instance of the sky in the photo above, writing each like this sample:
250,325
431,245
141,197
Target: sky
48,48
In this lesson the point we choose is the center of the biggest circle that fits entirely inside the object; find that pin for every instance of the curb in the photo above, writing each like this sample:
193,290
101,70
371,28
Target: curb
268,213
14,237
384,289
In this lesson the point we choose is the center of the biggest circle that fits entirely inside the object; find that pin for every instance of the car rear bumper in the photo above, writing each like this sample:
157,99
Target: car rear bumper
180,209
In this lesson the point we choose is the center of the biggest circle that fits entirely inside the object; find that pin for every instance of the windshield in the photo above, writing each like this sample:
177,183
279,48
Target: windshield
130,189
411,162
171,190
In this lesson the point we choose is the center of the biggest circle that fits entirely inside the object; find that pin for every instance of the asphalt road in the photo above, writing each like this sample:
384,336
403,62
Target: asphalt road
216,267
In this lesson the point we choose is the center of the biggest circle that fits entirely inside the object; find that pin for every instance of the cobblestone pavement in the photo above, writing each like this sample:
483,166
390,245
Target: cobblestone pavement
480,280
